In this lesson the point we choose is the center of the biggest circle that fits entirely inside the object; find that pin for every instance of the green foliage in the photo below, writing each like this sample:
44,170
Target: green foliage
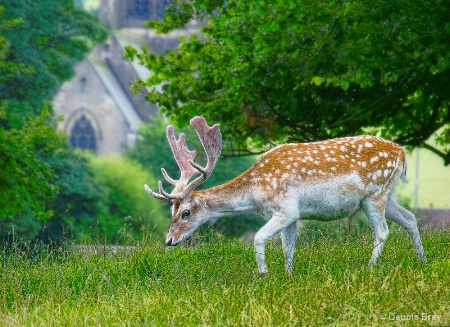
129,209
27,182
79,200
282,71
49,37
7,68
153,152
216,284
40,42
46,188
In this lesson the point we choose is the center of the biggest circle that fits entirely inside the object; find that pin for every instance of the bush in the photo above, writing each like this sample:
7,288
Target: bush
76,199
129,209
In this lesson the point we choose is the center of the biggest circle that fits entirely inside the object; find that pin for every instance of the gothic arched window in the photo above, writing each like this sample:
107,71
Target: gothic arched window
83,135
146,9
139,9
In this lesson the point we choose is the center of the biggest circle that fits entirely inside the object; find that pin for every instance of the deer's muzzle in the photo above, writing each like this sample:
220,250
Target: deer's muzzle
170,241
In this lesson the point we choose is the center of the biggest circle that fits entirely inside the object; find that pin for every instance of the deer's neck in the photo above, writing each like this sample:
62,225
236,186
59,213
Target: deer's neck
230,198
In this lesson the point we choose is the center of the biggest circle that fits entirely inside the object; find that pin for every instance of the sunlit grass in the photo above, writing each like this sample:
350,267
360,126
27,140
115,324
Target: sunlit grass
215,283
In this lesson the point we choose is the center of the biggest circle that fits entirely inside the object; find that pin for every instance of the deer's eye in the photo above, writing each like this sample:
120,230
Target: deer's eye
185,214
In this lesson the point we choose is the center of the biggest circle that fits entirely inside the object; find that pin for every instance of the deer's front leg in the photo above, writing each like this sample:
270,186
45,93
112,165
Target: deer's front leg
276,224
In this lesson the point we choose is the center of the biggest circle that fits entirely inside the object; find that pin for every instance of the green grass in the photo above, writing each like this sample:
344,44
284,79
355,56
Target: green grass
215,284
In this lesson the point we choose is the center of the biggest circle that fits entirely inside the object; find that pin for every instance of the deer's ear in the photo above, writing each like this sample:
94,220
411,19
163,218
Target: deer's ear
197,204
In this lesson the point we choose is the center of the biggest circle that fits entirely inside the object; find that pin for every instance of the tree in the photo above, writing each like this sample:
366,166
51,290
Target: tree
26,180
23,151
79,200
282,71
40,42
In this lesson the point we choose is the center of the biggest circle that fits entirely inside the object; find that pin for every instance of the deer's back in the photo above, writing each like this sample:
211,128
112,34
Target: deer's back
375,161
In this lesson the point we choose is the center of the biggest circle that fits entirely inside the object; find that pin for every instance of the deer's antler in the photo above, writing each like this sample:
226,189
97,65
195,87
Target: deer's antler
211,139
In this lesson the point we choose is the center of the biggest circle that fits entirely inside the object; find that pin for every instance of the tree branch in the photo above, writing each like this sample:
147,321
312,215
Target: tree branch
372,105
443,155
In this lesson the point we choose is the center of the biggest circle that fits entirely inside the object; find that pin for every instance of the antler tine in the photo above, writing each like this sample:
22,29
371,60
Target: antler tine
167,195
156,195
167,177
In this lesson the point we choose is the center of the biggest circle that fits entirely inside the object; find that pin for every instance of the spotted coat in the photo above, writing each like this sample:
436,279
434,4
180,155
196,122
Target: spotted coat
361,166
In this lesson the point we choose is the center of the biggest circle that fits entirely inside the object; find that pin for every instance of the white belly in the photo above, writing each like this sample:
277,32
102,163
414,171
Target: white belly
336,198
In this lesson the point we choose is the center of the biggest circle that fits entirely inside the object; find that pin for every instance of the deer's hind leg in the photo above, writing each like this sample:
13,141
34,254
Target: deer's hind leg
288,238
407,220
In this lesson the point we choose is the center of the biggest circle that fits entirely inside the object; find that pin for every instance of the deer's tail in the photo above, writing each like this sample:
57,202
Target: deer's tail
403,174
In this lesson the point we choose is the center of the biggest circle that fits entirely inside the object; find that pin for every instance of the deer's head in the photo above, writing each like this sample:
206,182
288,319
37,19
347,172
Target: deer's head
188,213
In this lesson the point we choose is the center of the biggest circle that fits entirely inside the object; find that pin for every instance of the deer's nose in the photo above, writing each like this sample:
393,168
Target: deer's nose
169,241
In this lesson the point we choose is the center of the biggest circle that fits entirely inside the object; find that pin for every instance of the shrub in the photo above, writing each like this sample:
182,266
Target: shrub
129,209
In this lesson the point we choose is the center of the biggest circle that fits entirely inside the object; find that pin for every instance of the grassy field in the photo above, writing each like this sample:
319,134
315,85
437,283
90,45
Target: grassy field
215,283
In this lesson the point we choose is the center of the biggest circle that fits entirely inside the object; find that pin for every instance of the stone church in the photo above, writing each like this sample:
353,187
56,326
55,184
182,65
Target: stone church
99,111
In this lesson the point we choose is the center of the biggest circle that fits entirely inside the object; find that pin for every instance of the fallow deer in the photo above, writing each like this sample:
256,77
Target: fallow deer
324,180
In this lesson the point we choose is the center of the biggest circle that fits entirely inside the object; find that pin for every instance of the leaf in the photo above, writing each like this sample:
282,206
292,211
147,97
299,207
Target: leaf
318,80
130,52
345,85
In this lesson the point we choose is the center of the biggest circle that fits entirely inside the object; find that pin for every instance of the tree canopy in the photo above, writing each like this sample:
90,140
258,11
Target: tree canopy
283,71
